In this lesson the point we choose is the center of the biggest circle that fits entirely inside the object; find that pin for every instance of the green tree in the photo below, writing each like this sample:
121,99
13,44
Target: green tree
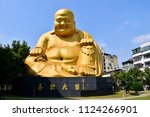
137,86
116,80
132,79
12,60
6,64
135,76
20,52
125,80
147,76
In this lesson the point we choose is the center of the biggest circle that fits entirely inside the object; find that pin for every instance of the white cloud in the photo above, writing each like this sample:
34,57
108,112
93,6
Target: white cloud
142,38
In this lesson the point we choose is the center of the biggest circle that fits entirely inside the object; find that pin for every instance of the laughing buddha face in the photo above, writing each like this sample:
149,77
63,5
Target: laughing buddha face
64,24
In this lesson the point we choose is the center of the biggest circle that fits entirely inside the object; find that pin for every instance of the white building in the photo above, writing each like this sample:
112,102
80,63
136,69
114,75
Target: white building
126,65
141,56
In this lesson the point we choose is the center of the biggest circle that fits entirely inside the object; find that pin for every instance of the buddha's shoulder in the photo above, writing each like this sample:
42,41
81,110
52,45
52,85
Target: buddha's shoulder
83,34
47,35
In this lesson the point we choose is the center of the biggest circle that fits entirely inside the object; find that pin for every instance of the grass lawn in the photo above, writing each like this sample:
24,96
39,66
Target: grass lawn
121,94
118,95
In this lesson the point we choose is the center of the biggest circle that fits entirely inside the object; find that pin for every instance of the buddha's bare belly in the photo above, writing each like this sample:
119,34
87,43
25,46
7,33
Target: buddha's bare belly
63,54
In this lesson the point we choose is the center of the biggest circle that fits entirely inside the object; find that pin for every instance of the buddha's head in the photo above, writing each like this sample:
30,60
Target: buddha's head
64,24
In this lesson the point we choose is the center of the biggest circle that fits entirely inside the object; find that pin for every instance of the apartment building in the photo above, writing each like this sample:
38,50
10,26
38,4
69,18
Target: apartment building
141,56
110,63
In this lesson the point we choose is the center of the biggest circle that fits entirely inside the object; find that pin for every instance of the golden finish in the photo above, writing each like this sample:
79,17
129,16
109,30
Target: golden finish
64,87
40,87
65,51
52,87
77,86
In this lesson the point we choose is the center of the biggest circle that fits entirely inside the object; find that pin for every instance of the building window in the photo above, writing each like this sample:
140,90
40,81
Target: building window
138,58
104,64
147,64
110,65
146,48
139,65
137,50
146,56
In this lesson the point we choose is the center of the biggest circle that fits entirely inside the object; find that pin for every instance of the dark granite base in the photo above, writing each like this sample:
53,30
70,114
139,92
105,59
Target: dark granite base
62,87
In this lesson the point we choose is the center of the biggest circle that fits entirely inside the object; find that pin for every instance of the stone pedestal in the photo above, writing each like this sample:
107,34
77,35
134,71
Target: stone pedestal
62,87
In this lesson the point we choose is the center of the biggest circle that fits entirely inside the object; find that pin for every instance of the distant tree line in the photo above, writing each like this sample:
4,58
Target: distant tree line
132,80
12,60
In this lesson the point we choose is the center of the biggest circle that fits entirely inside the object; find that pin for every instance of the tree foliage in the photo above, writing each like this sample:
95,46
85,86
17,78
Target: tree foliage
12,60
136,76
147,76
131,80
116,80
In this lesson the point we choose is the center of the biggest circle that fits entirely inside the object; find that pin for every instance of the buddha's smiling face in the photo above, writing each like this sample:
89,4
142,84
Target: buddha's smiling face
64,24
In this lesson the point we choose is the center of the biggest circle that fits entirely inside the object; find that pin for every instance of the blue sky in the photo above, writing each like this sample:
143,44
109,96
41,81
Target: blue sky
118,26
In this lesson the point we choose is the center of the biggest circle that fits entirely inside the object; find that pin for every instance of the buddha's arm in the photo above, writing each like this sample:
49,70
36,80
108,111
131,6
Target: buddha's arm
41,46
87,59
88,56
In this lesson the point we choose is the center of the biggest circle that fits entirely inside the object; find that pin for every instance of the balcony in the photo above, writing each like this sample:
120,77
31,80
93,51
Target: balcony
146,59
138,62
140,65
146,52
137,54
138,59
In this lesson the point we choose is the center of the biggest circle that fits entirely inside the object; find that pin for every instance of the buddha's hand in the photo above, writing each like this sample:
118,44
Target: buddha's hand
36,51
86,41
86,71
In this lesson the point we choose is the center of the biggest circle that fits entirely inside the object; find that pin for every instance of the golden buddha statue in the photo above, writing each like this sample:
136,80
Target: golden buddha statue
65,51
